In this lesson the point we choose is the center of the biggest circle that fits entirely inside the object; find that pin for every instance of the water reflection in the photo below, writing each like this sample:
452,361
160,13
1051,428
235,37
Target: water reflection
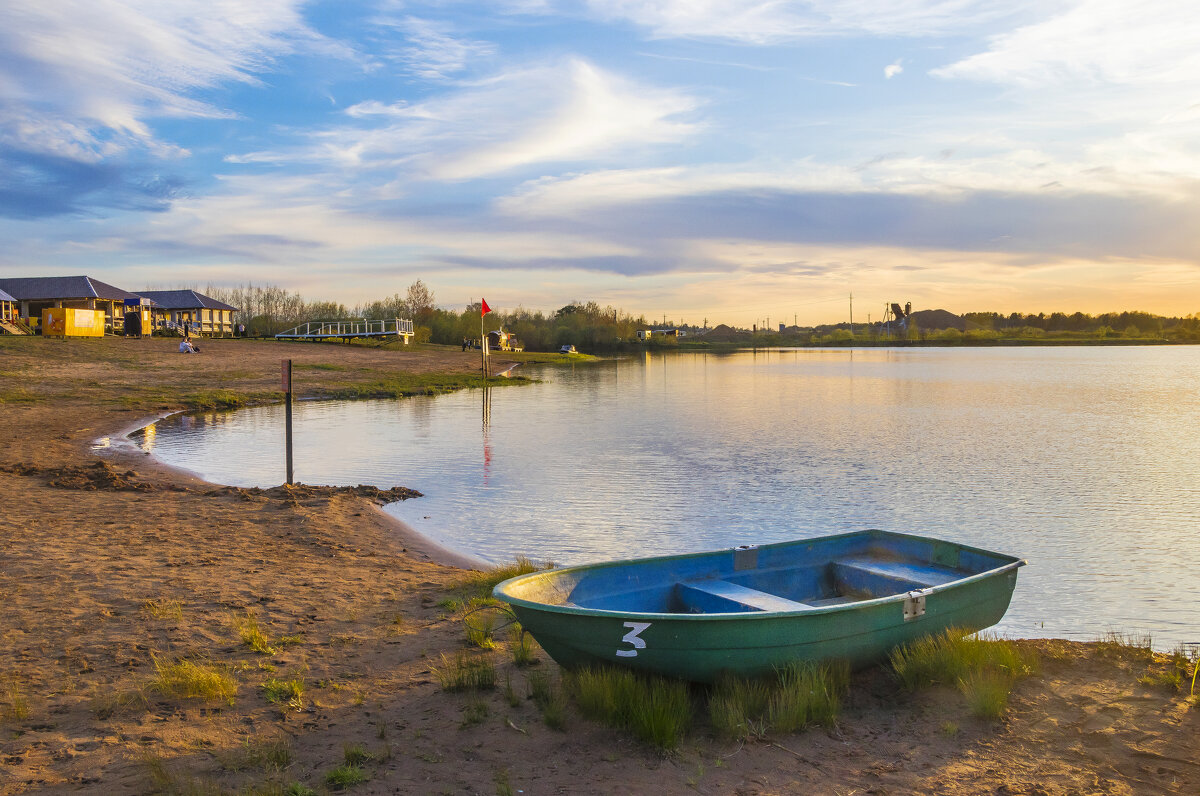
1080,460
486,394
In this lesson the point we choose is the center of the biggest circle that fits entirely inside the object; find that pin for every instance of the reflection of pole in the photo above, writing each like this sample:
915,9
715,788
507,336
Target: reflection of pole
287,415
487,441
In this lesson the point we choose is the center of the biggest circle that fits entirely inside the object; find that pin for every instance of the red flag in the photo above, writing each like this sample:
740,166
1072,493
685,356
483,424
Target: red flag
485,309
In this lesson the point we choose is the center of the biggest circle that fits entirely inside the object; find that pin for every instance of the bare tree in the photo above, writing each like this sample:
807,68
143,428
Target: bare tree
419,301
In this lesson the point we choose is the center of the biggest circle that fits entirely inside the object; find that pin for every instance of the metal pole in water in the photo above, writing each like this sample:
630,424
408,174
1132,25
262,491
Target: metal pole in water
287,416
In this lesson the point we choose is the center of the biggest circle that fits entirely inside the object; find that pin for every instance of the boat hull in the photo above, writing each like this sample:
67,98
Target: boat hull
730,612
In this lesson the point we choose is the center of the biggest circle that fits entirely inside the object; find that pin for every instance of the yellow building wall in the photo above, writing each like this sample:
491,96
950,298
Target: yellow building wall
70,322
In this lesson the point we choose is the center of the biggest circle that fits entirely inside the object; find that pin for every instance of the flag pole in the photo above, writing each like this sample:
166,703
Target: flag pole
483,341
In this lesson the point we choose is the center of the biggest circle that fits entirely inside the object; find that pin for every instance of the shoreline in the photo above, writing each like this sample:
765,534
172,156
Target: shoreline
437,551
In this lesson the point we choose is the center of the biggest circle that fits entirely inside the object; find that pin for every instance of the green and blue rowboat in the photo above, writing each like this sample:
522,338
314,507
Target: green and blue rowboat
749,610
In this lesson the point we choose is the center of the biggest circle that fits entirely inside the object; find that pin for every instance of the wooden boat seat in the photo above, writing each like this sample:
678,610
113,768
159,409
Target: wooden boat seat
721,596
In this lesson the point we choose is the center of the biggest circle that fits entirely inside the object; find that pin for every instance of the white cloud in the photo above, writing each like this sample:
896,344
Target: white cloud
1107,91
79,78
892,69
1095,42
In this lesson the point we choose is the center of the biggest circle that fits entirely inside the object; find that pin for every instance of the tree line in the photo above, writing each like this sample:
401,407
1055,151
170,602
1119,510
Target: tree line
267,310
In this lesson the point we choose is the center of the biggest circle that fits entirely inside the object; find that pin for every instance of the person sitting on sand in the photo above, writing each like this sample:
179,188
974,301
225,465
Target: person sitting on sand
186,347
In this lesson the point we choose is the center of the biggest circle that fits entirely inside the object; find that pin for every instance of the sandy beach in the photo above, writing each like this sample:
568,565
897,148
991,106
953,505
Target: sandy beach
111,563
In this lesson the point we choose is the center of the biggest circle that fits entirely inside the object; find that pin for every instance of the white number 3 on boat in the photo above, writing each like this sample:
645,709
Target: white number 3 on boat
632,639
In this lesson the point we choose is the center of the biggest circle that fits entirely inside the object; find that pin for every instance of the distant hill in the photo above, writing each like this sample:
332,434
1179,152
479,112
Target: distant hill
937,319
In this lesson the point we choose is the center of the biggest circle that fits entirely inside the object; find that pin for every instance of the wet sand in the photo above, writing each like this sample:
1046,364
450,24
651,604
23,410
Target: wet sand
111,561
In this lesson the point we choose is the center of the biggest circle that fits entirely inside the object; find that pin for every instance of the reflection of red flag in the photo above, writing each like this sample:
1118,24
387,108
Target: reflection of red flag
485,309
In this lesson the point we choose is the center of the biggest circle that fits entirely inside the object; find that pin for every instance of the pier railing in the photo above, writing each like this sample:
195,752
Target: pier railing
316,330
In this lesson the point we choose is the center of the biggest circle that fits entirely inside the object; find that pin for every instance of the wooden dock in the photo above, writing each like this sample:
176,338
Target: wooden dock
350,330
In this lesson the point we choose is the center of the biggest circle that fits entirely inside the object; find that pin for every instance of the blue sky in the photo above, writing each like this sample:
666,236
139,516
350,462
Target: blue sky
731,160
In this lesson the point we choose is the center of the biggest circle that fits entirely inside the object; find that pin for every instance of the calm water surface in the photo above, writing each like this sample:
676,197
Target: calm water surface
1082,460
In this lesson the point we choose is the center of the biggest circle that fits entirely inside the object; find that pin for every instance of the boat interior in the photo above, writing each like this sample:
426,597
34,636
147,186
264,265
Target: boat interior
794,576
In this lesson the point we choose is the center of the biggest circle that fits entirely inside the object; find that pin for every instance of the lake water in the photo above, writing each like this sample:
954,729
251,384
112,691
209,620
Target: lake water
1082,460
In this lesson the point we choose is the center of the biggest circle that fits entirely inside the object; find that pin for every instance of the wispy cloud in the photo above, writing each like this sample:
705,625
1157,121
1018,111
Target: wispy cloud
561,112
893,69
79,78
432,50
82,80
1094,42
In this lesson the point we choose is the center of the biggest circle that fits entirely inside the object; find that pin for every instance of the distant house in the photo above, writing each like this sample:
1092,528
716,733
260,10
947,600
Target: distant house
199,313
36,293
646,334
8,310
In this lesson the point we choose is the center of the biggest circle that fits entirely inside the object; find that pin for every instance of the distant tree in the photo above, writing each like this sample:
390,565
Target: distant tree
419,301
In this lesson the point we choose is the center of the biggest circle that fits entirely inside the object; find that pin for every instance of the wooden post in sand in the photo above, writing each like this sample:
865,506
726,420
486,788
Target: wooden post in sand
287,415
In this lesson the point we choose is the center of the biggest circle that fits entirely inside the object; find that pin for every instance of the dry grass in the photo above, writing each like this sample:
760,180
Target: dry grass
186,679
163,609
252,634
15,706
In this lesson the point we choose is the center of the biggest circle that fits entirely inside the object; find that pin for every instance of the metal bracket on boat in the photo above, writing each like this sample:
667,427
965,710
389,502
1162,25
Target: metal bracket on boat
745,557
914,605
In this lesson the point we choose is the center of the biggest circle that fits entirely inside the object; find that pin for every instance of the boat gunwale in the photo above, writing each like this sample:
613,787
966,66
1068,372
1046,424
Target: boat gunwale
500,591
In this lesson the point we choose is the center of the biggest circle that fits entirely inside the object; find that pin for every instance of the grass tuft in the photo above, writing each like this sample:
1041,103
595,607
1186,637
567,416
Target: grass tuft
510,693
18,395
736,707
163,609
951,656
655,710
479,584
252,634
16,705
185,679
480,623
345,776
981,666
356,755
1172,671
216,399
476,712
521,646
1127,647
503,786
550,699
271,754
465,672
987,693
284,692
807,694
801,694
